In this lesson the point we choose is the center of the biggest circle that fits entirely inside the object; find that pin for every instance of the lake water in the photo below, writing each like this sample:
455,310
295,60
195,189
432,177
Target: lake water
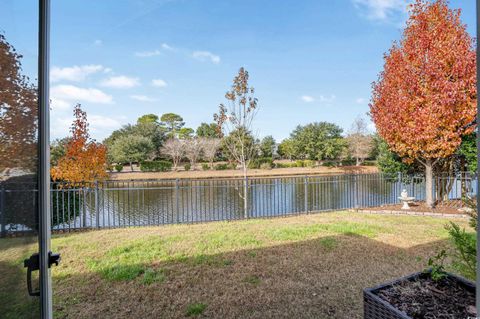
158,202
185,201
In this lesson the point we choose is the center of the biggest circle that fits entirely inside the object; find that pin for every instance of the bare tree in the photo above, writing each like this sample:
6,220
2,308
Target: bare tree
174,148
360,141
235,120
210,149
193,149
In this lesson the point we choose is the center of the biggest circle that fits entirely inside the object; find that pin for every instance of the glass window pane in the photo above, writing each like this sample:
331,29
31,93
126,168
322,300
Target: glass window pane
18,155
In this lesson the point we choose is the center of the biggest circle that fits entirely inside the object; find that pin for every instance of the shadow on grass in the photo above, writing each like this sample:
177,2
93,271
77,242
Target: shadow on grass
317,278
14,299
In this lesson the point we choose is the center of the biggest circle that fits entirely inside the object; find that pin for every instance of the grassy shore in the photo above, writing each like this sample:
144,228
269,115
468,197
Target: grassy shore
312,266
321,170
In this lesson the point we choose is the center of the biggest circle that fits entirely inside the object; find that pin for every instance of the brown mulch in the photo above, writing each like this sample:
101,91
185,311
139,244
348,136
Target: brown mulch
451,207
425,298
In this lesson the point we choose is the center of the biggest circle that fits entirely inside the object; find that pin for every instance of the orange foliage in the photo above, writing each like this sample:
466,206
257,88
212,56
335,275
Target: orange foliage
18,112
85,160
425,99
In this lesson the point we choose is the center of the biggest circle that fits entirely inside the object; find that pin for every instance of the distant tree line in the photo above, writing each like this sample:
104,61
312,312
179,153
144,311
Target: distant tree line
163,138
324,141
165,142
166,138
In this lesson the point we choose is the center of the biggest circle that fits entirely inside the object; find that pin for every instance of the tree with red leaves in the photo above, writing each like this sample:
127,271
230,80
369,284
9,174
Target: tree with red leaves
424,100
85,160
18,112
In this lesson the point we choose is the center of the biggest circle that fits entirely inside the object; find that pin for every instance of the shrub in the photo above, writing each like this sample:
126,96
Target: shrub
258,162
285,165
155,166
464,250
348,162
266,166
300,163
369,163
221,167
329,164
205,166
119,167
187,166
309,163
232,166
470,203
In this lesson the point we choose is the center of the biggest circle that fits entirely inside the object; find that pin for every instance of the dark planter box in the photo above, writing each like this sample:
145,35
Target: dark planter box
377,308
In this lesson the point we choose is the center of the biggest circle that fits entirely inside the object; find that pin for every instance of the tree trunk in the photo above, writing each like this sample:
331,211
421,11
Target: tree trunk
358,162
245,191
131,166
429,183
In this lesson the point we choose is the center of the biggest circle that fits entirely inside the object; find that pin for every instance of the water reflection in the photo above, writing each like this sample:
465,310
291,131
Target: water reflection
136,203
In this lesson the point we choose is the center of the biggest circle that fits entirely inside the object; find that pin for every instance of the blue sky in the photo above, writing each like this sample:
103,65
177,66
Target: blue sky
308,60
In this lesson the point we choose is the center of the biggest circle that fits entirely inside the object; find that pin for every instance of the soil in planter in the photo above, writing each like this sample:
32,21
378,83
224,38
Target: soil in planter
425,298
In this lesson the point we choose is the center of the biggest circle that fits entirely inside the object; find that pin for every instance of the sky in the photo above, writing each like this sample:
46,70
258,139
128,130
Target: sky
308,60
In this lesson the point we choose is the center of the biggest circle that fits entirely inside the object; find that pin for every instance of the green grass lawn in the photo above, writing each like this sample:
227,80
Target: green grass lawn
312,266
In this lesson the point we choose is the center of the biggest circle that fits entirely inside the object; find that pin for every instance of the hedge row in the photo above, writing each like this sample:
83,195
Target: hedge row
155,166
262,162
299,163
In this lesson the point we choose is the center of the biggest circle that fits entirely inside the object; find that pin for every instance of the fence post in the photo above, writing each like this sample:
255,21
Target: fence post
412,185
399,191
3,213
355,191
305,187
463,178
84,204
177,209
245,197
97,210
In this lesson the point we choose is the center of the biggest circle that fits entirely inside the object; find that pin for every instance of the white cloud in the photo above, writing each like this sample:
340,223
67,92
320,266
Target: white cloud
308,98
382,10
75,73
59,127
98,122
100,126
167,47
322,99
159,83
59,104
71,93
327,99
147,54
360,100
205,56
142,98
121,82
98,42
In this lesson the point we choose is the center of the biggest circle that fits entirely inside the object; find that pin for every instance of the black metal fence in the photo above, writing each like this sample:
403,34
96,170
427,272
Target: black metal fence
112,204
